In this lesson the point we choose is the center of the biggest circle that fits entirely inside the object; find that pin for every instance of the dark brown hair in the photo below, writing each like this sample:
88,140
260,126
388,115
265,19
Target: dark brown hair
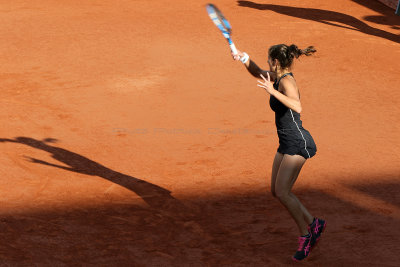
285,54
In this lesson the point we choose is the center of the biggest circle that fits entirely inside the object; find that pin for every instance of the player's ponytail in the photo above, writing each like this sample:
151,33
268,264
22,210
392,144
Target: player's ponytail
298,52
285,54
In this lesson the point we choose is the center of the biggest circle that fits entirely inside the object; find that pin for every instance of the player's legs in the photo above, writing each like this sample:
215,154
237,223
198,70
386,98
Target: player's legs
275,168
307,216
287,174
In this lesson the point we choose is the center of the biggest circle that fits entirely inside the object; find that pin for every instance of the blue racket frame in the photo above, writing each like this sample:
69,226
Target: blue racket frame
222,23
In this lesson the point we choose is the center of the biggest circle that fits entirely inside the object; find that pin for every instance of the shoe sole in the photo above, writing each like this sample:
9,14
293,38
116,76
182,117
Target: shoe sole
296,260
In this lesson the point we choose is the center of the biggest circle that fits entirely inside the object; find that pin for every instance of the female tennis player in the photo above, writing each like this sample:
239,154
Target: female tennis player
296,144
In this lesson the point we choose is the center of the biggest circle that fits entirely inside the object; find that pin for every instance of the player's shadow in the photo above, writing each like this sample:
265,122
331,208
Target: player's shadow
155,196
324,16
232,229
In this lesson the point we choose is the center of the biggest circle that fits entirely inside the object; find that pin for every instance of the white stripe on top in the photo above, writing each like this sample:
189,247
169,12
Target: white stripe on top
305,142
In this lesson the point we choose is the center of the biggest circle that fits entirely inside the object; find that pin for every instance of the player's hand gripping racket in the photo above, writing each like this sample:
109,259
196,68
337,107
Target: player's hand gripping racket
222,24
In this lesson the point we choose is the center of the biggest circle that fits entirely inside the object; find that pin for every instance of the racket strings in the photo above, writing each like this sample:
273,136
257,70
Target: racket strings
219,20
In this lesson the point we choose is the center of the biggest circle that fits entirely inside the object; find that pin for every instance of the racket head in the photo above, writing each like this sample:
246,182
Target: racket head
219,20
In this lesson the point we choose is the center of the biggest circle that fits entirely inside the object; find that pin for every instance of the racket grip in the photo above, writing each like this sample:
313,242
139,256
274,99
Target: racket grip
233,48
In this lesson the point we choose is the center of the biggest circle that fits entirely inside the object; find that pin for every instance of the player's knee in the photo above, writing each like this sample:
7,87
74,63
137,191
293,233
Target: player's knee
282,195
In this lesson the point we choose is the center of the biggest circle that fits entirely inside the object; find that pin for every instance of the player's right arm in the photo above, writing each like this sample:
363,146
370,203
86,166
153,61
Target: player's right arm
253,69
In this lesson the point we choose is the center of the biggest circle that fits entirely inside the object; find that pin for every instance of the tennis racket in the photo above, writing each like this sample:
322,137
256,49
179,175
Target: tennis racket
222,23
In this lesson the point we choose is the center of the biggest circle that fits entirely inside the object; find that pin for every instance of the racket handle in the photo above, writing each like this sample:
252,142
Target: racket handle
233,48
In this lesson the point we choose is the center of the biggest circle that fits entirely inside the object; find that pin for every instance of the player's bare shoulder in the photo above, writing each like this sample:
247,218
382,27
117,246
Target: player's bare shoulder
289,88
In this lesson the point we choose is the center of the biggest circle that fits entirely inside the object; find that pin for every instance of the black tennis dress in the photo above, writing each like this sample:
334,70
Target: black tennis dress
293,138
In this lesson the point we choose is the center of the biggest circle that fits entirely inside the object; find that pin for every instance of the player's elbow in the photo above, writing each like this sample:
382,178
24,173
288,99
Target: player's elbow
298,108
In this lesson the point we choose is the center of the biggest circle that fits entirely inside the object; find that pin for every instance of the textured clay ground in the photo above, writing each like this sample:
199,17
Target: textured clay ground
129,136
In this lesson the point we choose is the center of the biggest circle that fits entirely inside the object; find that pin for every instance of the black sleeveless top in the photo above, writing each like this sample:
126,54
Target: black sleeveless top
293,138
283,115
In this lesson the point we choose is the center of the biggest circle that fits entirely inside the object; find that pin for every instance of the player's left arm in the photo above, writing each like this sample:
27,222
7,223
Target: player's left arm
290,95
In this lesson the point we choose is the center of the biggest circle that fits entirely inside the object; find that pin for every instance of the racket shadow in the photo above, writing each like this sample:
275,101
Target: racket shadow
386,16
324,16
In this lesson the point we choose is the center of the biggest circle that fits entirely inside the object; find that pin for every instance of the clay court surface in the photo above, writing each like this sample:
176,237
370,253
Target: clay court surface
129,136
